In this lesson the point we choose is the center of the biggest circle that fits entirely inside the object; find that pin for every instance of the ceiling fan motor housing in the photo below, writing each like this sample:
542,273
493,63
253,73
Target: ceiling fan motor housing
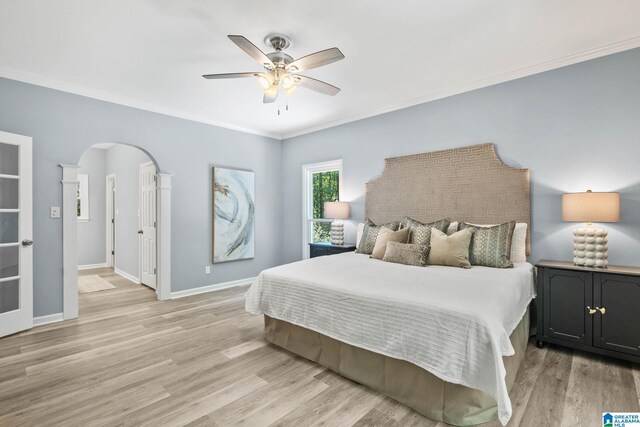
277,41
280,59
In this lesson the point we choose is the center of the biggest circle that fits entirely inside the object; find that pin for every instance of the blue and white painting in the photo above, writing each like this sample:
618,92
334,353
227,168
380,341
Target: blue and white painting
233,214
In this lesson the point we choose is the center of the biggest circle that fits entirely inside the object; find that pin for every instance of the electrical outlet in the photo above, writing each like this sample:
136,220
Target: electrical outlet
207,270
55,212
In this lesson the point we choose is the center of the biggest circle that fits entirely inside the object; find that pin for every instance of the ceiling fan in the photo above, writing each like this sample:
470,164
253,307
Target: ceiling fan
281,69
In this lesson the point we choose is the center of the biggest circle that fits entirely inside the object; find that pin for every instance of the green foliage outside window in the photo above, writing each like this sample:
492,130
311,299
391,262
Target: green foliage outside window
325,189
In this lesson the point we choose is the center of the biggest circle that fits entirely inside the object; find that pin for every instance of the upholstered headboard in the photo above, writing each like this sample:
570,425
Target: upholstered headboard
465,184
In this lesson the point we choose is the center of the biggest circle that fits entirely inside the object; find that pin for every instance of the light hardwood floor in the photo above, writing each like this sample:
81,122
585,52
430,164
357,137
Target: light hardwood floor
131,360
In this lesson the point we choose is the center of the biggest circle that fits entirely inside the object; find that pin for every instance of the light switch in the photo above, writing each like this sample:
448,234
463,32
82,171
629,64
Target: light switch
55,211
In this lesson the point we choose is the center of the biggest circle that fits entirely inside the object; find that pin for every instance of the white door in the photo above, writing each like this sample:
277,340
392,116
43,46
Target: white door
147,230
111,220
16,252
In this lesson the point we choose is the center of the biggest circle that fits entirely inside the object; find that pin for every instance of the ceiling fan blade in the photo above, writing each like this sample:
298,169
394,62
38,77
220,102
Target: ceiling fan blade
252,50
317,85
268,99
315,60
231,75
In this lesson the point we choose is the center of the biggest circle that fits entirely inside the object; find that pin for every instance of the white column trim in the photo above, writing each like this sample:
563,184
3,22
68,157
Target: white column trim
69,241
163,234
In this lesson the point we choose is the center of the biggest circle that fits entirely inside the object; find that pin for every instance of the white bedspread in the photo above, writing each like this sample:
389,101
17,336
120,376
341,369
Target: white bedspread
455,323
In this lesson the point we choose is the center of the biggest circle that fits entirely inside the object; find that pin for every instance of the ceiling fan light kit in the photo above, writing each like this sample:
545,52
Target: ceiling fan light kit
281,69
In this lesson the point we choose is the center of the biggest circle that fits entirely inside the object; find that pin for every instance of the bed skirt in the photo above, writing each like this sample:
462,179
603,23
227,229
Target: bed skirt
405,382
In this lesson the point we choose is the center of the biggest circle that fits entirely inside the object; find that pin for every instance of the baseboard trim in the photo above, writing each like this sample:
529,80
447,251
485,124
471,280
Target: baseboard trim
127,276
212,288
49,318
91,266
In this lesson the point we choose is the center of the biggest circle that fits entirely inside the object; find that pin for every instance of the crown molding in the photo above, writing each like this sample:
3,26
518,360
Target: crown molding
620,46
616,47
120,100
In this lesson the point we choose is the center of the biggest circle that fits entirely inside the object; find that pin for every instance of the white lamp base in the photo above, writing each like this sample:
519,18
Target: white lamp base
337,233
590,247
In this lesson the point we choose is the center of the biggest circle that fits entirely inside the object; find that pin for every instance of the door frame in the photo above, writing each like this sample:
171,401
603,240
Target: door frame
70,238
22,318
140,237
110,205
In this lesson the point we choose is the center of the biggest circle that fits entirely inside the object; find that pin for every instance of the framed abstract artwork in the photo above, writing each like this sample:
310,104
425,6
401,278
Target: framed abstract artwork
233,214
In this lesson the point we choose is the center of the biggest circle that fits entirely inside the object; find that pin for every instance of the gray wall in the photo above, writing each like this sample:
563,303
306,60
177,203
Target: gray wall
124,162
64,125
576,128
92,233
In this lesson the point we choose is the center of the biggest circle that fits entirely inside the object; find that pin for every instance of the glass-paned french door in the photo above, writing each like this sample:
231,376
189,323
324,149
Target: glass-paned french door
16,253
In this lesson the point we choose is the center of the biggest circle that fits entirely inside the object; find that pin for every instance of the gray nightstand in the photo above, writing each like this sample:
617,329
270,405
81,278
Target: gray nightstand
320,249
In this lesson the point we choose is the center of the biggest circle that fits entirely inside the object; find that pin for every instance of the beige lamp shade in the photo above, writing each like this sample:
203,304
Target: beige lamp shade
336,210
591,207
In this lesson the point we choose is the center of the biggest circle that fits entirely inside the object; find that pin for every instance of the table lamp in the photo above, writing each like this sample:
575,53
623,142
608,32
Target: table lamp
590,247
337,211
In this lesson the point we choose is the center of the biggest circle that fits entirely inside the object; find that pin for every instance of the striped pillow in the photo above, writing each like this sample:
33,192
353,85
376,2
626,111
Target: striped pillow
491,246
370,235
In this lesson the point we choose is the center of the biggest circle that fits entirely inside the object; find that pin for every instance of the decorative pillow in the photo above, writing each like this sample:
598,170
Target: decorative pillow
450,250
491,246
406,253
359,231
518,241
420,233
453,227
370,234
387,235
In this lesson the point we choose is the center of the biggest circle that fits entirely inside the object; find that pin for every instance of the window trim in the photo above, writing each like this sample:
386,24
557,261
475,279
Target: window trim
83,184
307,172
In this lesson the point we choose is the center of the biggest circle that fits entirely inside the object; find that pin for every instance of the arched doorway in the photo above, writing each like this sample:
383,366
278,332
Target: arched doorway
158,228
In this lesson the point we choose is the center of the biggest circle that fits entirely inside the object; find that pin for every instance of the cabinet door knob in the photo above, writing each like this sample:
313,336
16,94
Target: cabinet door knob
602,310
592,311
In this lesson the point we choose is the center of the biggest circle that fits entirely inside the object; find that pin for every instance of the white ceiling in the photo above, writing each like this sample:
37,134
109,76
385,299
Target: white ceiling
150,54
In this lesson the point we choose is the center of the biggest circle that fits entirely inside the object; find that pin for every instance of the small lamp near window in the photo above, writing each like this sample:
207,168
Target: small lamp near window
337,211
590,247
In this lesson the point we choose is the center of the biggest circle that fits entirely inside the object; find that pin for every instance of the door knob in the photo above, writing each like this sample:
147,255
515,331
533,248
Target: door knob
592,310
140,232
602,310
27,242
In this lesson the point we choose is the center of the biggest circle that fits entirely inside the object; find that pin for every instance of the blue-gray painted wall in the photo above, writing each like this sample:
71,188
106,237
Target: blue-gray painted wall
92,233
575,128
64,125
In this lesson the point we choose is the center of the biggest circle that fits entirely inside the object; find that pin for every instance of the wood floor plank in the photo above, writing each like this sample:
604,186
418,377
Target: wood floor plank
546,402
245,347
202,361
601,384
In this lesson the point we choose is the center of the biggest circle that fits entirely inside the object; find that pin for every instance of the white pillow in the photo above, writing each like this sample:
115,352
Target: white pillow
453,227
518,241
359,232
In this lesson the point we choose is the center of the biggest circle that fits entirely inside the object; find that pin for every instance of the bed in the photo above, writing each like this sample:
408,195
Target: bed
445,341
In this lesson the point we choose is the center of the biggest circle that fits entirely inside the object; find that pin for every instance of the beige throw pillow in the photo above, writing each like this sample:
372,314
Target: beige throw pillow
450,250
387,235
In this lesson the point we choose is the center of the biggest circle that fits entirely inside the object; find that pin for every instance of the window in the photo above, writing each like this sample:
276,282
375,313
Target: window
83,197
321,183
